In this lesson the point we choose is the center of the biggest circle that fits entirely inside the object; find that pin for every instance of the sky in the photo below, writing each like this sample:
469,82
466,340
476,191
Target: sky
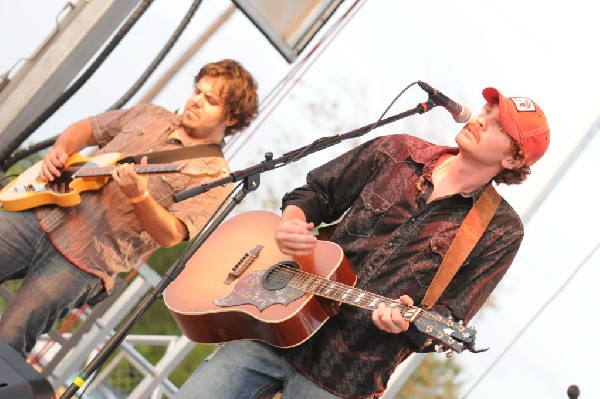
543,323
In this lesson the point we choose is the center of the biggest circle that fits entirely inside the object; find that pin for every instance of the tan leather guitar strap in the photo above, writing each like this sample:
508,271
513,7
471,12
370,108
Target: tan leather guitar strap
467,236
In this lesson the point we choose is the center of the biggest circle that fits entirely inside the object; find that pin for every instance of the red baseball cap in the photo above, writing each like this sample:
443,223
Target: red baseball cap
524,121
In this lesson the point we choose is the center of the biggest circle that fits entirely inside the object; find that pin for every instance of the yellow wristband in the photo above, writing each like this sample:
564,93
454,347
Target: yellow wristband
140,198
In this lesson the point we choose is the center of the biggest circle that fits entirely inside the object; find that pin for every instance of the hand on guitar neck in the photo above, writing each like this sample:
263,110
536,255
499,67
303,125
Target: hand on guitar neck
391,319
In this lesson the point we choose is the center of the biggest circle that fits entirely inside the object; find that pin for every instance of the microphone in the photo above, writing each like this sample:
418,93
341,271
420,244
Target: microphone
460,113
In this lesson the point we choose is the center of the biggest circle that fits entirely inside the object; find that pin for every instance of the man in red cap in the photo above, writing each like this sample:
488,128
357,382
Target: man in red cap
401,201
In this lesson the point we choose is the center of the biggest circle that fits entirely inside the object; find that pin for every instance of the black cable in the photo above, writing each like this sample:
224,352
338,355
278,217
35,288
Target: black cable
159,58
7,161
373,126
533,318
127,96
21,154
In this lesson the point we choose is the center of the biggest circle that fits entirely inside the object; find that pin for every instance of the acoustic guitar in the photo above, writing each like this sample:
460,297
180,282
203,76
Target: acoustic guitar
80,174
239,286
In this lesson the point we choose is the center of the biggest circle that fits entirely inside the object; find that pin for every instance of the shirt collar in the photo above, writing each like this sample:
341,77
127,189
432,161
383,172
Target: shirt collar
427,156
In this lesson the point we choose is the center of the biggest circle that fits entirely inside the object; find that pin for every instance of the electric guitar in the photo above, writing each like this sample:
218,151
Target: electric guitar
239,286
80,174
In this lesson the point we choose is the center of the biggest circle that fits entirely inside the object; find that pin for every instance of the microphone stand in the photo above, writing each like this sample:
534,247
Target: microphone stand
251,177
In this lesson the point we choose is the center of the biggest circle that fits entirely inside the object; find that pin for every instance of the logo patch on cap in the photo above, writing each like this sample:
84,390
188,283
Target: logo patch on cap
523,103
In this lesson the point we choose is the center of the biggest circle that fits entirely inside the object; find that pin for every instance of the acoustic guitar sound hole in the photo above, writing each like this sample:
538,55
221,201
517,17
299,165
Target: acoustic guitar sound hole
278,276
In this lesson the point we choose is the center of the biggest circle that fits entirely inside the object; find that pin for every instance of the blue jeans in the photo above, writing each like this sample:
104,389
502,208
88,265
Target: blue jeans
248,370
52,286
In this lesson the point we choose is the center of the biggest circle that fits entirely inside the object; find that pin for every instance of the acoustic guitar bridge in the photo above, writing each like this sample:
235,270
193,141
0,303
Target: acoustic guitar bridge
243,264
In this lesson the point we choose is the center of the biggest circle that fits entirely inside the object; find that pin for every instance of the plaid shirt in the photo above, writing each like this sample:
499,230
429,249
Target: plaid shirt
102,235
395,242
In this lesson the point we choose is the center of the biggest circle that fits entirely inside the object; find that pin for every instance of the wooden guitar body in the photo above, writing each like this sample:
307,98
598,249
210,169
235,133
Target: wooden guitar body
245,309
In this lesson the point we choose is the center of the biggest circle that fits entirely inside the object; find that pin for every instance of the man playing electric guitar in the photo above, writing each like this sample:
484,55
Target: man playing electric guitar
68,256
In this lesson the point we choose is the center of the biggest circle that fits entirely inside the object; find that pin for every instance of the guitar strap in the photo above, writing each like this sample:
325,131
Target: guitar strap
467,236
194,151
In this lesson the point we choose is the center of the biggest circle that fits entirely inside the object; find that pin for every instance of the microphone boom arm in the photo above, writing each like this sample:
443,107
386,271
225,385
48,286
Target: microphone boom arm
269,163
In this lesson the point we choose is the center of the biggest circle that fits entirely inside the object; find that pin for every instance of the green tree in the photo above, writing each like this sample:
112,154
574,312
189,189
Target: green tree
158,320
435,378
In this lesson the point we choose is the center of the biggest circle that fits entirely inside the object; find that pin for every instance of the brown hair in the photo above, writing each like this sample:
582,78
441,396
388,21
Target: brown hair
514,176
239,92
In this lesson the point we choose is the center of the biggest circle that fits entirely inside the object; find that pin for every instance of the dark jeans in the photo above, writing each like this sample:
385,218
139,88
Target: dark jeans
248,370
52,286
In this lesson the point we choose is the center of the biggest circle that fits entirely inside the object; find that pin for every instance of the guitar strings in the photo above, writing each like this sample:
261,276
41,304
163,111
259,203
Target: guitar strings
90,171
340,288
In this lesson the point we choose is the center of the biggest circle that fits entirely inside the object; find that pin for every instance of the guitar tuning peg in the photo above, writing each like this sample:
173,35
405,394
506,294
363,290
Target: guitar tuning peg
449,354
439,349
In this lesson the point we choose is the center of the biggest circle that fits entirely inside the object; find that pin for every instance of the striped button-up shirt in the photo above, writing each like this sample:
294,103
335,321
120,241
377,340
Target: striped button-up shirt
102,235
